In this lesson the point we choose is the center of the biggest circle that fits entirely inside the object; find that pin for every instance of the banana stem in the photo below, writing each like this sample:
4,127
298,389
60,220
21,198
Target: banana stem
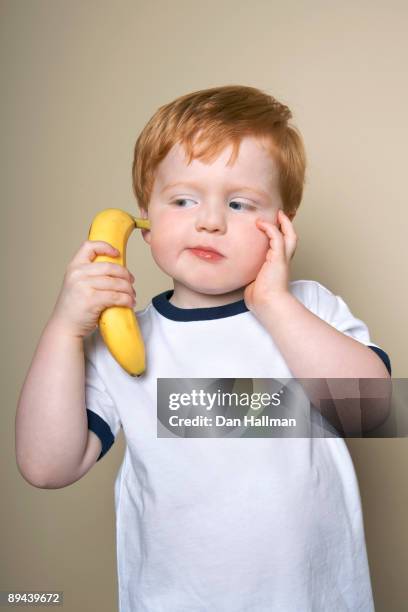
142,223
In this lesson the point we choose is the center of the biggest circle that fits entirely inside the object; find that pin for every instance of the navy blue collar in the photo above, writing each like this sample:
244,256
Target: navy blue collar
170,311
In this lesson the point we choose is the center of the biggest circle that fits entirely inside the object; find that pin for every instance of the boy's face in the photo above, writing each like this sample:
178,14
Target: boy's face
217,207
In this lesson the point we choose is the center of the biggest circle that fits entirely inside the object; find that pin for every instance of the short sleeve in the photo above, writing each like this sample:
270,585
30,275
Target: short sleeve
103,418
333,309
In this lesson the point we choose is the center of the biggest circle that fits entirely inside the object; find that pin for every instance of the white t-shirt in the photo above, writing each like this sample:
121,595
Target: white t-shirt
227,524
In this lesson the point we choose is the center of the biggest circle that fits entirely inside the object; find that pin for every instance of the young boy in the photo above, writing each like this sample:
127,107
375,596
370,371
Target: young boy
230,525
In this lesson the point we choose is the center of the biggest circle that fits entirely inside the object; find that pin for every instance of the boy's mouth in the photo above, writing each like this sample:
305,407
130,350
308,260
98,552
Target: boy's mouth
206,253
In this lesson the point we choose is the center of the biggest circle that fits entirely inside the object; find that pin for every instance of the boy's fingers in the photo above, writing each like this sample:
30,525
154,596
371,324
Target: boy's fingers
291,238
92,248
107,268
276,237
291,250
287,225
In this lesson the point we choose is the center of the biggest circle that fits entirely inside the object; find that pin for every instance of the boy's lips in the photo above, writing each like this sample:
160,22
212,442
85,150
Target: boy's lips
205,252
201,247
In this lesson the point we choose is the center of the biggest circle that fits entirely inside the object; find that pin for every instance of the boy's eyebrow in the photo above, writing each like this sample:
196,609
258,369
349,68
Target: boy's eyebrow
260,192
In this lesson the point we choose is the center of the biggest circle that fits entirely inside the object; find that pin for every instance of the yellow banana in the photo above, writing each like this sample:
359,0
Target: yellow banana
118,324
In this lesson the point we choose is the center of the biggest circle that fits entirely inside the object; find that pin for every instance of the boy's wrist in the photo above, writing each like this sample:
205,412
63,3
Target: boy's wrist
276,302
61,328
274,313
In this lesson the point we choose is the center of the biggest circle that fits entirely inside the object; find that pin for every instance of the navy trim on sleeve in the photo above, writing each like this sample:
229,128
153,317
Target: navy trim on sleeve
383,356
102,430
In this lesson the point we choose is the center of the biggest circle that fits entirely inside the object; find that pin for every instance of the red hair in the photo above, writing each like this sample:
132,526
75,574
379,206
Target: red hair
215,118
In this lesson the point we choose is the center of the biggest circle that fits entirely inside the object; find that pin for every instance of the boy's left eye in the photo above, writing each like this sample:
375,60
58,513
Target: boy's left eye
248,206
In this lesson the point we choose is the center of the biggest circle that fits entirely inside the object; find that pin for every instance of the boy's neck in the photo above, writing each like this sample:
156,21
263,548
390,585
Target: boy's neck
184,297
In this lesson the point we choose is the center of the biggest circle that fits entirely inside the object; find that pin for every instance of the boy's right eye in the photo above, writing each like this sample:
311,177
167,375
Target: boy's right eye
180,200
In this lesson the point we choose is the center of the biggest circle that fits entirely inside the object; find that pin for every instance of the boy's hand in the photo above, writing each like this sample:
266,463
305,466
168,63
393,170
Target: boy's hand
89,287
273,277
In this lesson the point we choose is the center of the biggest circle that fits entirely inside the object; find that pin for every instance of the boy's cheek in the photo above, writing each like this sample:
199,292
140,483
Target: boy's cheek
260,240
253,268
256,252
163,259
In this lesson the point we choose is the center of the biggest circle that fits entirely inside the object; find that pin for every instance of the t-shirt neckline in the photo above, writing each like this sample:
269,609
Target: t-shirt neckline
170,311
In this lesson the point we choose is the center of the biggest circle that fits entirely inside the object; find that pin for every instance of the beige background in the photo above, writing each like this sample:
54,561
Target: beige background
79,80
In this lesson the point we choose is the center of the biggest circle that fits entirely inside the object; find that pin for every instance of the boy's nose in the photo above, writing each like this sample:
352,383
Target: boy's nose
211,221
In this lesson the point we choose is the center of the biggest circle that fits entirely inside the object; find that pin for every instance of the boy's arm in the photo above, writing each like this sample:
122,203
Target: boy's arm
53,445
314,349
329,360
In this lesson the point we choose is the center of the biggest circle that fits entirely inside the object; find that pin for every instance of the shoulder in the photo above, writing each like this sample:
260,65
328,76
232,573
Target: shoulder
145,315
144,311
312,294
324,303
330,308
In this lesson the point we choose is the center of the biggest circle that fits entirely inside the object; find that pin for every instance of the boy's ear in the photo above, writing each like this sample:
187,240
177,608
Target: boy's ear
145,232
